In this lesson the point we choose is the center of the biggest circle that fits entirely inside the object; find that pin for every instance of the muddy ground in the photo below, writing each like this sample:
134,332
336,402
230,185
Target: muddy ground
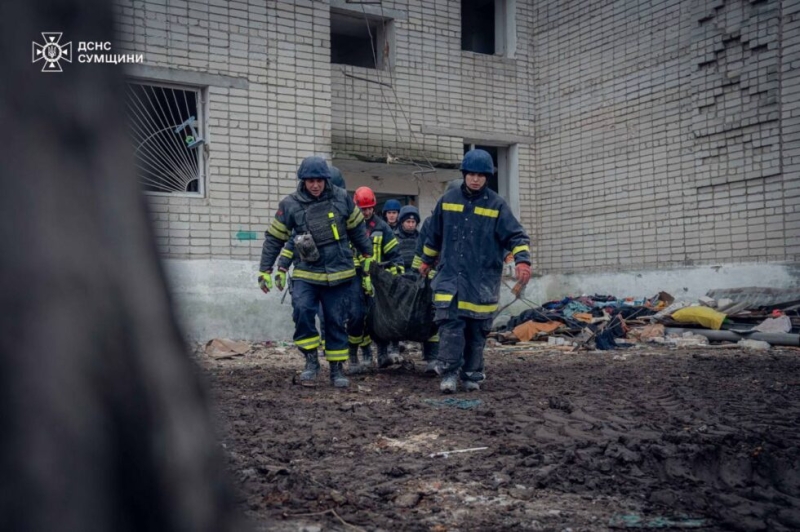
650,438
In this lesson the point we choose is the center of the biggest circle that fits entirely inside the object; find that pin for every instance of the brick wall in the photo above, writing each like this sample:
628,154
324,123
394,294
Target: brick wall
666,133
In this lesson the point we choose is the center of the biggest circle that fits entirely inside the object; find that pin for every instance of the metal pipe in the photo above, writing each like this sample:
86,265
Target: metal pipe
730,336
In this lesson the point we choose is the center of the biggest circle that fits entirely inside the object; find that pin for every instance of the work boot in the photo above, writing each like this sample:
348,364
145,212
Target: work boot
430,350
471,386
449,383
366,356
338,380
352,357
388,355
309,374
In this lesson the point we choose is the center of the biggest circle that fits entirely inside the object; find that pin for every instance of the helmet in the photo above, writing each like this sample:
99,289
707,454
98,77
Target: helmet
392,205
313,167
453,184
337,179
477,162
364,198
409,211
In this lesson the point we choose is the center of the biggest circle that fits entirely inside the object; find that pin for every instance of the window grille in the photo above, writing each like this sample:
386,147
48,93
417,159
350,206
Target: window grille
166,127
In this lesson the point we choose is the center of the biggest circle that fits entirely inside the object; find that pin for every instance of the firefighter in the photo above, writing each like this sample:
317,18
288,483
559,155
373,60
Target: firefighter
325,221
384,250
286,258
407,234
469,230
391,210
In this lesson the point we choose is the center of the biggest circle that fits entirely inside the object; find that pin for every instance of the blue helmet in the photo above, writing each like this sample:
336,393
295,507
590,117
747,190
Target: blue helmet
392,205
313,167
477,162
409,211
337,179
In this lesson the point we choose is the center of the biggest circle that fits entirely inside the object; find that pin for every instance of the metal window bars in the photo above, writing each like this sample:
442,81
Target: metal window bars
164,125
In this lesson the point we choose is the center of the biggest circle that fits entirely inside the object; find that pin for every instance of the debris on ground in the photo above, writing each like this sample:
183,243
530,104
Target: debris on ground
221,348
605,322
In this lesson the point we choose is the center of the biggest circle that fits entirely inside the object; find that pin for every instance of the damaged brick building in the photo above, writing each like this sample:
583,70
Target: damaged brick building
645,146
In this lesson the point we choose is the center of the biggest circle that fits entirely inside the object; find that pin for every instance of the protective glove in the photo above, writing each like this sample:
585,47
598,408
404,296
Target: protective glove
523,273
280,279
366,263
424,268
265,281
366,284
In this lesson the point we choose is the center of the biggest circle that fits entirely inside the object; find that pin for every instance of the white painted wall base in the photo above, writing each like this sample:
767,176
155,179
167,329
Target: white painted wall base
220,298
683,283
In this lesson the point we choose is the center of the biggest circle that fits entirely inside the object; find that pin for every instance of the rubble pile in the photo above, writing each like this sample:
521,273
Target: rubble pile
751,318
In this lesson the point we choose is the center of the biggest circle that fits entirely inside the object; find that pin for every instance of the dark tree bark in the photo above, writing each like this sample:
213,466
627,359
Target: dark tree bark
103,422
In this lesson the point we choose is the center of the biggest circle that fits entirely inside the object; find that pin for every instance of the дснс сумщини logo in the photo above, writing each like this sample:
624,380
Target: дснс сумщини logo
52,52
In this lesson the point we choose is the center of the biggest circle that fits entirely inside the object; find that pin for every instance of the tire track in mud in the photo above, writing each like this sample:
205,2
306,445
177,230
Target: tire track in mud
713,436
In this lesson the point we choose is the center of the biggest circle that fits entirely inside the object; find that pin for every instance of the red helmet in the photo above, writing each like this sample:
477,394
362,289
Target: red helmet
364,198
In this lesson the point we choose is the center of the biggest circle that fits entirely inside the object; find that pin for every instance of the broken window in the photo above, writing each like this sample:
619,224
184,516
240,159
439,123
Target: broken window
488,26
359,40
165,124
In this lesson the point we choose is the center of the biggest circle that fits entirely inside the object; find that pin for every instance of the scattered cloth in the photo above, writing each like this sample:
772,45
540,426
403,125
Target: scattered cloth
583,316
646,333
574,306
530,329
782,324
705,316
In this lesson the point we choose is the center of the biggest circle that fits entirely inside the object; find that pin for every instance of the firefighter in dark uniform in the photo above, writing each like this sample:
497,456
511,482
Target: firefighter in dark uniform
407,234
325,221
469,230
384,250
286,257
391,212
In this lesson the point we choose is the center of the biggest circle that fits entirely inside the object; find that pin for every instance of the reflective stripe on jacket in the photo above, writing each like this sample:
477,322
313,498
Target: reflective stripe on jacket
335,264
468,234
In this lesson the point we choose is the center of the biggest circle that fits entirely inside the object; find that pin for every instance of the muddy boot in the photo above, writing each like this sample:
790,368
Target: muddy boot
449,383
471,386
366,356
387,356
354,368
429,352
338,380
309,374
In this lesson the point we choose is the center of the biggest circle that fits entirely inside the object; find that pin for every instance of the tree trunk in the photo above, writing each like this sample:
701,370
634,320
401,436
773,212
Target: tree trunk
103,422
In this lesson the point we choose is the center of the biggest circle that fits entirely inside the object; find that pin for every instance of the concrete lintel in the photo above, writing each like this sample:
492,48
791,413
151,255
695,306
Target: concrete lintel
186,77
369,9
486,138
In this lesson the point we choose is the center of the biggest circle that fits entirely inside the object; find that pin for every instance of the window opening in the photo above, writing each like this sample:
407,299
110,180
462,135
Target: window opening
354,38
165,125
478,26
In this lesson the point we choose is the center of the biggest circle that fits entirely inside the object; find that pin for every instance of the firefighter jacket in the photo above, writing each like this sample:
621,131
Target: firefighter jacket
333,220
407,245
384,243
468,233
